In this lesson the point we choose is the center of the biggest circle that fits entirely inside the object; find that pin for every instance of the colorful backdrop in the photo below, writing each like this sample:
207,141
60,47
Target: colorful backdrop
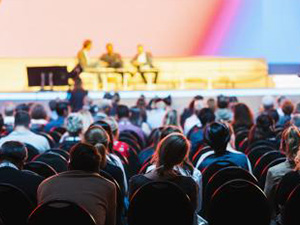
230,28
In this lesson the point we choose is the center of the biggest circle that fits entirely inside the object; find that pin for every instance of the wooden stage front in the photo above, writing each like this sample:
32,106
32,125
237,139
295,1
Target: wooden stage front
175,73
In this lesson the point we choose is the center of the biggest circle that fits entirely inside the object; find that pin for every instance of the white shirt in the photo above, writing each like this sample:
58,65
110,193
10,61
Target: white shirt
155,117
190,123
24,135
142,58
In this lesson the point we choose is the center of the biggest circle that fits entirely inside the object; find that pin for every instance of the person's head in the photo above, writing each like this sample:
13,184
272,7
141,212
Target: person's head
140,48
105,106
211,103
206,116
38,111
107,128
268,102
136,116
166,130
217,136
14,152
274,114
280,100
290,141
122,111
242,115
87,44
288,107
196,103
97,135
74,124
222,102
109,48
263,129
171,118
87,119
171,151
9,109
116,98
85,157
52,105
265,122
78,85
62,109
22,107
296,120
113,125
22,119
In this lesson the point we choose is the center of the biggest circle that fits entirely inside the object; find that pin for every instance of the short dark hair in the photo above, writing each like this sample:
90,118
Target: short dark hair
38,112
85,157
205,115
217,136
222,102
52,105
22,118
23,107
13,151
122,111
61,107
170,129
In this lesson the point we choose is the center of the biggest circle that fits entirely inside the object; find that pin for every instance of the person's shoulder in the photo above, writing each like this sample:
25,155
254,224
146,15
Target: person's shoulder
277,168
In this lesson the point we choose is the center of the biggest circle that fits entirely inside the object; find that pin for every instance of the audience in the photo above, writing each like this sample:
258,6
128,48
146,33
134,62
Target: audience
217,136
13,155
23,134
9,110
83,185
62,110
242,117
39,117
268,103
287,110
223,112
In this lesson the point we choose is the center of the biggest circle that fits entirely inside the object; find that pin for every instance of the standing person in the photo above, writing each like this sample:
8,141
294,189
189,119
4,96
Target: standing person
77,96
143,60
83,185
83,55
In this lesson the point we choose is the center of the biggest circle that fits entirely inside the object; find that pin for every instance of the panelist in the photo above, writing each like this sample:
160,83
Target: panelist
83,55
111,58
143,62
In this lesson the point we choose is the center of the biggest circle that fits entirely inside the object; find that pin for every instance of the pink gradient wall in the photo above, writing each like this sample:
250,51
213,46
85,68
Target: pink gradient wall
56,28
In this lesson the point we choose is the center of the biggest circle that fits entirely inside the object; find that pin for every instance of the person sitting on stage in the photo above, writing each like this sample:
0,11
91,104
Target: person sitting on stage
143,60
111,58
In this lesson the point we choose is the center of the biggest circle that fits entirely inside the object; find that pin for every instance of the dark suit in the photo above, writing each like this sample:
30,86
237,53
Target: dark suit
25,181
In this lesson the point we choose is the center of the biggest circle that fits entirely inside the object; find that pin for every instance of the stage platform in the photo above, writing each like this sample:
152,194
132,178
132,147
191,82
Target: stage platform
175,74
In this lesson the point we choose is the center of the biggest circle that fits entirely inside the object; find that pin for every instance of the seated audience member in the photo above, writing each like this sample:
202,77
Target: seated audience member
268,103
289,145
13,155
23,107
139,119
111,164
188,118
52,106
76,96
280,100
223,112
74,126
87,119
62,110
111,58
296,120
171,151
83,185
264,129
171,118
104,108
242,117
23,134
38,117
9,118
206,116
217,136
273,113
156,112
287,109
3,128
123,115
115,100
211,103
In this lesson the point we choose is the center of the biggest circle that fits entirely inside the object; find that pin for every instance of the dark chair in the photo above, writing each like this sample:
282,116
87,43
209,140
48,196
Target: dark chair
257,152
126,134
240,136
154,135
263,175
210,170
120,197
264,160
133,166
160,203
262,142
221,177
62,152
243,145
290,215
239,202
145,166
32,152
60,212
41,168
49,138
132,143
15,206
67,145
202,150
56,136
60,130
55,160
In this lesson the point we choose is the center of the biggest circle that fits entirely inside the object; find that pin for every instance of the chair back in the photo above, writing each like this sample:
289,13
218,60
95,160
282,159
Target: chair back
290,215
62,152
32,152
239,202
41,168
15,205
53,159
160,203
60,212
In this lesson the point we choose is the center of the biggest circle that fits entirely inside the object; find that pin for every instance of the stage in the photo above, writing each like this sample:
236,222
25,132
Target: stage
176,73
